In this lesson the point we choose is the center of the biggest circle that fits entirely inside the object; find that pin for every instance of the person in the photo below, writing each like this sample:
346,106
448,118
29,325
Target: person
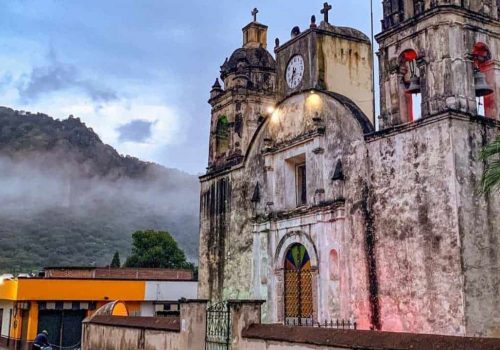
41,341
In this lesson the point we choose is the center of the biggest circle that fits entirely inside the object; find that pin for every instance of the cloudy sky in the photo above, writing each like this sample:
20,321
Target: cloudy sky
139,71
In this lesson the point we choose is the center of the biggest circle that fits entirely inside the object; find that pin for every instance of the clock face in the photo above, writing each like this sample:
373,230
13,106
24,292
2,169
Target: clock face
295,71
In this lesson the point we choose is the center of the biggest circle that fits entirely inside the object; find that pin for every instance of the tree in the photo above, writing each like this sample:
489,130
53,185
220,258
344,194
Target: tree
116,260
491,176
156,249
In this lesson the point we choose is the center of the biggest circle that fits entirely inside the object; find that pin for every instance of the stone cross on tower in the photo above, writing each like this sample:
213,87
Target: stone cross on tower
326,8
255,11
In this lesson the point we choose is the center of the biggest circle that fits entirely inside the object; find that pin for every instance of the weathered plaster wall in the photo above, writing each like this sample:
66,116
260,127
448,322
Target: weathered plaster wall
123,333
479,229
97,337
437,239
100,337
336,59
226,237
158,340
453,221
416,223
348,70
193,315
215,209
325,132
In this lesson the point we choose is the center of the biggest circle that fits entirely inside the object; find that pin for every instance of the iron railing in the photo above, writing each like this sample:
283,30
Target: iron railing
218,330
335,324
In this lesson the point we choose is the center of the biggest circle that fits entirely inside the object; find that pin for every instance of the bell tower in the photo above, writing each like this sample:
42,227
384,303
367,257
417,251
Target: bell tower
240,103
440,105
439,56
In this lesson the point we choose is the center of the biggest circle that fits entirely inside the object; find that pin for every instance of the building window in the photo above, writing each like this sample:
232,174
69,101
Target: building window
167,310
301,184
295,181
411,82
418,7
483,76
222,135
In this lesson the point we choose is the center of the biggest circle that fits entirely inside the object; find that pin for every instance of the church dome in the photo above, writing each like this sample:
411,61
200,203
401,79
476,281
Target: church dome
245,58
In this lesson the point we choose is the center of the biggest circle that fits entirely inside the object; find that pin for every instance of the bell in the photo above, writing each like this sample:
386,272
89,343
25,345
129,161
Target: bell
482,87
414,87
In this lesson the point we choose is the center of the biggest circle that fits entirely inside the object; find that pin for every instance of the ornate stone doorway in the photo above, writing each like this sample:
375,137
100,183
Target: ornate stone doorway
298,289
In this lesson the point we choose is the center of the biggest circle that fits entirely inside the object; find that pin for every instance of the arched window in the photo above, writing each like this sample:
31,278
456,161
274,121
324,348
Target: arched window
298,285
418,7
222,135
411,84
334,265
394,12
483,76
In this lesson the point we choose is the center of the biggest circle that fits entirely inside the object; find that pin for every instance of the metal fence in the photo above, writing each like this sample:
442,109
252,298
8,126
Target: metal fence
218,327
334,324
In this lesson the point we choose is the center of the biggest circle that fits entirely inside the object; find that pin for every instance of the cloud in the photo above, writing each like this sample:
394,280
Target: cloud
167,125
56,76
137,130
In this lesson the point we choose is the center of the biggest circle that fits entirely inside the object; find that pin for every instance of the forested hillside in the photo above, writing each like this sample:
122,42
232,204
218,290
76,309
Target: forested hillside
69,199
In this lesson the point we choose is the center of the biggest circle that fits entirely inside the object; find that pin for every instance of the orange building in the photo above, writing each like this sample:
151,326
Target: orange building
59,300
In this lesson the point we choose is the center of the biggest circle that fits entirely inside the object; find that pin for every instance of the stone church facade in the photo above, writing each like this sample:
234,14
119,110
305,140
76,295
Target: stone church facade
309,207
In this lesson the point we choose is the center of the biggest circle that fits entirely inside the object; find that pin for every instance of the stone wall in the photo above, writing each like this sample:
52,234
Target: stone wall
247,333
277,337
148,333
323,131
478,229
413,200
436,237
112,337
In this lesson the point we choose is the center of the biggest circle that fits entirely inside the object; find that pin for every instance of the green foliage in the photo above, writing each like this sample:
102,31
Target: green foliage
491,177
116,260
156,249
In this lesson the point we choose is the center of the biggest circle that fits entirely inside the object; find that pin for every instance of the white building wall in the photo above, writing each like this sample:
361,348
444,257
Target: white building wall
147,309
170,290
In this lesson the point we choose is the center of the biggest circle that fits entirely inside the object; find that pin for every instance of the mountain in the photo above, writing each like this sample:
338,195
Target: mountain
66,198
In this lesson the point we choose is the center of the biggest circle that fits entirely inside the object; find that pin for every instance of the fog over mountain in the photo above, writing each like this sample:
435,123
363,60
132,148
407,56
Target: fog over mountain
68,199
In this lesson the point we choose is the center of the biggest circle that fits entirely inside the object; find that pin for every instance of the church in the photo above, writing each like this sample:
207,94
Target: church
328,210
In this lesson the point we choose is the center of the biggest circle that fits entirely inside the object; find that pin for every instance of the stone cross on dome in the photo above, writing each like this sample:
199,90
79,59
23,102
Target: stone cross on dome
326,8
255,11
